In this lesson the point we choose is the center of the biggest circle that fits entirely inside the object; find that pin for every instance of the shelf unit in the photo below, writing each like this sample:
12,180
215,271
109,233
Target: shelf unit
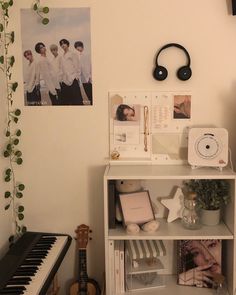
155,176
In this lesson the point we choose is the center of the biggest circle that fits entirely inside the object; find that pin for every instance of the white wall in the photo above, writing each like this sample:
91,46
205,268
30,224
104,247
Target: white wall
65,148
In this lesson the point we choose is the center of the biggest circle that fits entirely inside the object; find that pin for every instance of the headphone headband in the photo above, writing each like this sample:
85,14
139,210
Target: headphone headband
174,45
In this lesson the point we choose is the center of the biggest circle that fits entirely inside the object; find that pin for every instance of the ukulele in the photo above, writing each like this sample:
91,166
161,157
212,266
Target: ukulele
84,285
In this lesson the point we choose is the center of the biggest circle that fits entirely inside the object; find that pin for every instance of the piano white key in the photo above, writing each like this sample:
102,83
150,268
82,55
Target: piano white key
45,268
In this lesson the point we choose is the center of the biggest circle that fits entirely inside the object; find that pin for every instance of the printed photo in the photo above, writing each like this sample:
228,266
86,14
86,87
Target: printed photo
126,113
182,107
56,57
198,262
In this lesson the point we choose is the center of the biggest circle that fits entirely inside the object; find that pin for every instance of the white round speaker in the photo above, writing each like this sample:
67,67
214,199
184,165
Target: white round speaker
208,147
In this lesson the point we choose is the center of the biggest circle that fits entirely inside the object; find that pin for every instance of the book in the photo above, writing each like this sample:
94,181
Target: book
117,266
111,266
111,204
199,261
122,267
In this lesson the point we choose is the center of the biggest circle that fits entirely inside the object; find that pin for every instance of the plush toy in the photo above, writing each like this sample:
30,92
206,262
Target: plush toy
130,186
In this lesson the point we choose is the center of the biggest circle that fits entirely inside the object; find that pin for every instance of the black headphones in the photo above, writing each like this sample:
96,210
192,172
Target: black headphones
184,73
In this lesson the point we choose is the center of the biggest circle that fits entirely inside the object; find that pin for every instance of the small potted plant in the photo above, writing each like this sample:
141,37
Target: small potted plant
212,194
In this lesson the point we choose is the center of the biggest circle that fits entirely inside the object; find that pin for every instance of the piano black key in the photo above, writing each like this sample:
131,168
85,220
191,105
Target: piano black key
36,255
31,262
16,290
25,273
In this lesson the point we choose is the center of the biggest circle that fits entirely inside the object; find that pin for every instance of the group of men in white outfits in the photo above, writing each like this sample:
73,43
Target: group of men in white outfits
67,77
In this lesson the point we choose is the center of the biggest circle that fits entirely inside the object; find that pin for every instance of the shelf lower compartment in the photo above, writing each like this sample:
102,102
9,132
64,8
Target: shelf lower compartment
174,231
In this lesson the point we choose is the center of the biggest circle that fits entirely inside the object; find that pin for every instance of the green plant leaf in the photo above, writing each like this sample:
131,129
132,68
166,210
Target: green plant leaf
1,27
21,187
7,207
21,209
1,59
19,161
45,21
35,7
20,216
8,133
7,194
10,2
16,119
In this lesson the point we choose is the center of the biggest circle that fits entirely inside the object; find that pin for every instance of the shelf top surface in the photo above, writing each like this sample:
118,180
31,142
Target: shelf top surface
175,231
166,172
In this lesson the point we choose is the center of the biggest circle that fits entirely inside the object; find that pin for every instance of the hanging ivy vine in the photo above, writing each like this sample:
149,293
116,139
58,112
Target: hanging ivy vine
12,132
41,11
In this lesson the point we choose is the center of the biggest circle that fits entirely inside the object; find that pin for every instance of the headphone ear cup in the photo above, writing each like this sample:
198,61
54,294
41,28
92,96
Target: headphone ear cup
184,73
160,73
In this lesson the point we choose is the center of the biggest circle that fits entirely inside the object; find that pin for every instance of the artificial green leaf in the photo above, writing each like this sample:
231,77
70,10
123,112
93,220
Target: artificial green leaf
8,171
6,154
5,5
10,2
18,132
9,147
17,112
18,153
7,178
7,194
7,207
8,133
19,195
45,10
16,120
16,141
19,161
11,239
1,27
45,21
23,229
12,37
35,7
11,61
21,208
20,216
1,59
14,86
21,187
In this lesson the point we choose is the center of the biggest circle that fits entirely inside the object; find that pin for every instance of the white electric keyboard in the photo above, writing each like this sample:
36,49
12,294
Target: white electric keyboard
31,263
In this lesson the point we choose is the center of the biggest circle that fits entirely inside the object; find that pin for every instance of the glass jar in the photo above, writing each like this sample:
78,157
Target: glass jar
190,216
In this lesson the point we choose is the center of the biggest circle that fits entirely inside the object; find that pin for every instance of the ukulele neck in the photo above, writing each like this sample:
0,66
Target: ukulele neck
83,276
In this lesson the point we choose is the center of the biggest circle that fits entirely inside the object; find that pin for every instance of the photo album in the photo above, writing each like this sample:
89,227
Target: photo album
199,262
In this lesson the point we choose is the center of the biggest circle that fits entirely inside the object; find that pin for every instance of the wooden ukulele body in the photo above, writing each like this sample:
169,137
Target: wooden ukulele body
92,288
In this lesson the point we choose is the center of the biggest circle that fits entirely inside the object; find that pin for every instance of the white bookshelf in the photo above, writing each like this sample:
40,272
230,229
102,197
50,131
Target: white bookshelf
171,232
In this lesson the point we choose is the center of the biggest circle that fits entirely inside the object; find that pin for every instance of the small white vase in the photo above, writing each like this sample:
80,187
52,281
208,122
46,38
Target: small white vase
210,217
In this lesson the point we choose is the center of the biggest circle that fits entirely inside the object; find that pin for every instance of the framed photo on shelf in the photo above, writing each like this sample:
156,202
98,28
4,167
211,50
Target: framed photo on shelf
136,207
